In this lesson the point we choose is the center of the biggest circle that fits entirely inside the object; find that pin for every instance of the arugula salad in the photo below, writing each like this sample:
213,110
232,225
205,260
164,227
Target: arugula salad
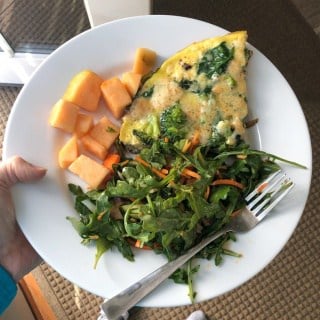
171,194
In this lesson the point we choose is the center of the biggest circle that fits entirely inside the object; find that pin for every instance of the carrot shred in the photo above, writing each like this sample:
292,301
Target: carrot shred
229,182
186,146
207,193
262,187
242,156
235,213
144,247
196,138
137,244
100,215
111,159
189,173
158,172
146,164
164,171
94,237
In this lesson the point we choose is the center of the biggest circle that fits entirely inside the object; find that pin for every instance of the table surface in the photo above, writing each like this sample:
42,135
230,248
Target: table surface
289,287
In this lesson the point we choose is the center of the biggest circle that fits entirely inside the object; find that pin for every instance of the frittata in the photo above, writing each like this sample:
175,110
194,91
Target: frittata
205,81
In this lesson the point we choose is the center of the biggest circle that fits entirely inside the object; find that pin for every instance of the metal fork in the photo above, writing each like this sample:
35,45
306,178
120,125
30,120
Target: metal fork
259,203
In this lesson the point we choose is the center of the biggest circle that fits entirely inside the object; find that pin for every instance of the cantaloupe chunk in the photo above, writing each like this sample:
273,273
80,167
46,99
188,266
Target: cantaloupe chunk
89,170
84,90
144,61
104,132
94,147
83,124
115,95
132,82
64,115
68,153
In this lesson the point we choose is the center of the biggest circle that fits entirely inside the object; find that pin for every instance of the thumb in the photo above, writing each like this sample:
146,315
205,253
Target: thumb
17,169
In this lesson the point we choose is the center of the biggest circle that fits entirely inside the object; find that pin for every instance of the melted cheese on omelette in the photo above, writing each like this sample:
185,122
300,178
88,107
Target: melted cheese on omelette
207,80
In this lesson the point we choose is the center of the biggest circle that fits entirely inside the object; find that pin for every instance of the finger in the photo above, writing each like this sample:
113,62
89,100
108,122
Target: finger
17,169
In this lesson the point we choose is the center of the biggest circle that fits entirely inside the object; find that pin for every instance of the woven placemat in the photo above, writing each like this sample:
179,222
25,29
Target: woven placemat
7,98
289,287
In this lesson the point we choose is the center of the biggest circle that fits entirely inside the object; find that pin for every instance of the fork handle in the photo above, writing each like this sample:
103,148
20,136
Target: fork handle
128,298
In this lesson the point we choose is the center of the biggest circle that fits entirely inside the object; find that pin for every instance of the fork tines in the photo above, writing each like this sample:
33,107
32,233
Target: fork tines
268,193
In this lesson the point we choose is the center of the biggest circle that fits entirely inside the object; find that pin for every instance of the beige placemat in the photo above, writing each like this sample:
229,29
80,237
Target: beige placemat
288,288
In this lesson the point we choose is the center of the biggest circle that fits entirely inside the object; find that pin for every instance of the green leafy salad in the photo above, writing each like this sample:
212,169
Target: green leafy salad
171,194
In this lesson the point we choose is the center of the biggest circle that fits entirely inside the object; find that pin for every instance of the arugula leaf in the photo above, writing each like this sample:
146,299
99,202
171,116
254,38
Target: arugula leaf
184,276
102,245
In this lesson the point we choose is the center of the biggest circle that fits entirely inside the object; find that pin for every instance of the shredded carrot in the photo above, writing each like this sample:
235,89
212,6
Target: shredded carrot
100,215
158,172
207,193
242,156
94,237
262,187
196,138
146,164
143,162
144,247
186,146
229,182
166,139
111,159
137,244
164,171
235,213
190,173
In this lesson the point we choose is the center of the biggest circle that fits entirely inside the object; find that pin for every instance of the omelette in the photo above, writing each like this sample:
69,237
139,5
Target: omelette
206,81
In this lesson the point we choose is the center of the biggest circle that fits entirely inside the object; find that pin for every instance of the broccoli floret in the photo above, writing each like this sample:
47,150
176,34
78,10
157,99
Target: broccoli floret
143,137
172,123
140,133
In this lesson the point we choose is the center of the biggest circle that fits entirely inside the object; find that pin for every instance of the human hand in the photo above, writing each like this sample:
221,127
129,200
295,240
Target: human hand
16,254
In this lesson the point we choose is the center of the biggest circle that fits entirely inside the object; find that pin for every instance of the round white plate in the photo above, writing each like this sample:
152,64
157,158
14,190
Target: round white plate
42,207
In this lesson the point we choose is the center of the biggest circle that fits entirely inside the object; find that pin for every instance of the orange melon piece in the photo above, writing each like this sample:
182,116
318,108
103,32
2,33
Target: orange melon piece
132,82
104,132
83,124
144,61
94,147
115,95
89,170
64,115
84,90
68,153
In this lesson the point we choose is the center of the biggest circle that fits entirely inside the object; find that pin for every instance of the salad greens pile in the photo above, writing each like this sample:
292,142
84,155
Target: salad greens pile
170,195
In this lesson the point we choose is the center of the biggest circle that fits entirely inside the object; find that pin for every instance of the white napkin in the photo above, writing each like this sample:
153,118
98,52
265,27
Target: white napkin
196,315
102,316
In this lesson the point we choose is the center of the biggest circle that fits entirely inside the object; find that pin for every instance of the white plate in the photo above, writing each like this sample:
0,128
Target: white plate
42,207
